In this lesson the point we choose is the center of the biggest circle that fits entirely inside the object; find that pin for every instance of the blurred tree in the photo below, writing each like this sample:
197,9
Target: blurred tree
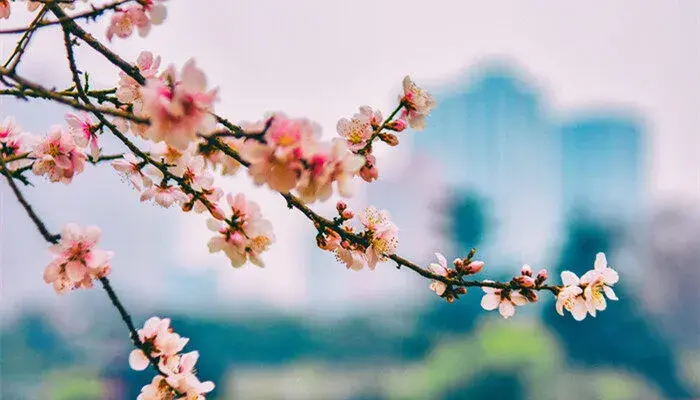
466,218
622,336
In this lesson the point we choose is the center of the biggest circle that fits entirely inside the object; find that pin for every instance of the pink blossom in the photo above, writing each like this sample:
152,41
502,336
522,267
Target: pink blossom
503,299
440,269
15,142
417,102
164,195
369,171
360,128
138,16
129,91
244,236
132,169
215,157
185,381
158,337
334,163
383,235
570,297
57,156
353,259
77,261
178,109
84,131
158,389
598,284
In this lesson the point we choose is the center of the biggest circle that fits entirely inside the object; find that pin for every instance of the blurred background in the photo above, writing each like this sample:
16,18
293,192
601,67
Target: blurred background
562,129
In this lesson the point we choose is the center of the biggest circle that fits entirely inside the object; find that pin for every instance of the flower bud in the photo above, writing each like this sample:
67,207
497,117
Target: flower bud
472,268
218,213
321,242
369,173
541,277
530,295
389,138
524,281
461,290
458,263
187,207
397,125
347,214
340,206
526,270
345,244
450,298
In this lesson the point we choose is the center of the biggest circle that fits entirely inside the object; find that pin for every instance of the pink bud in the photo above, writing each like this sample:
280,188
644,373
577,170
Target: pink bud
369,174
397,125
237,238
474,267
341,206
347,214
530,295
541,276
217,213
524,281
526,270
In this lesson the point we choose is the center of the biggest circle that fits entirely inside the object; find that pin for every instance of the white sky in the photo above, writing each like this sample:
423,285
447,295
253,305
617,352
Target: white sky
323,58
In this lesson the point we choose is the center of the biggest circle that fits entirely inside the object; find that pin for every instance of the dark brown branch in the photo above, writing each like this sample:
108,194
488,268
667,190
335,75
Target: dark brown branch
42,92
92,14
23,42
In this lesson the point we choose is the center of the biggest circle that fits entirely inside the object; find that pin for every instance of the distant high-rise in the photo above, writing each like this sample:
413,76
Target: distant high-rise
602,166
495,139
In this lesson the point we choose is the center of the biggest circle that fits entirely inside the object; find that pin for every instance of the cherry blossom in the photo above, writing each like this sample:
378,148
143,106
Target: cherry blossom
83,130
159,340
418,104
570,297
244,235
158,389
215,158
383,235
58,156
15,143
141,17
360,128
279,160
183,379
132,169
164,195
503,299
598,282
128,90
438,269
369,171
178,108
77,261
330,164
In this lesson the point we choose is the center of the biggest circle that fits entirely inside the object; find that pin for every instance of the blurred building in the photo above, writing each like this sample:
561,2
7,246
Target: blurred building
496,139
602,166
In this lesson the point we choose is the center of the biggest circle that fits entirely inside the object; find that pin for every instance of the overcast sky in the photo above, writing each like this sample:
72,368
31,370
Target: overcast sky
322,59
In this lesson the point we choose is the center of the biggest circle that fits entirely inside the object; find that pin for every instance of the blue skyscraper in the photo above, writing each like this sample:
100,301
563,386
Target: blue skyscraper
602,166
495,139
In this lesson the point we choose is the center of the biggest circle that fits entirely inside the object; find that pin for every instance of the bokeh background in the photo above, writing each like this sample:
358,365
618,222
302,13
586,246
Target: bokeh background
563,129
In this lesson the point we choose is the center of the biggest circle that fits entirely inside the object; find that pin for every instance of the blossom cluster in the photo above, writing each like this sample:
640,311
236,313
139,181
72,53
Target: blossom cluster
140,16
178,106
243,234
364,127
586,295
378,239
290,155
59,155
77,261
31,6
177,379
